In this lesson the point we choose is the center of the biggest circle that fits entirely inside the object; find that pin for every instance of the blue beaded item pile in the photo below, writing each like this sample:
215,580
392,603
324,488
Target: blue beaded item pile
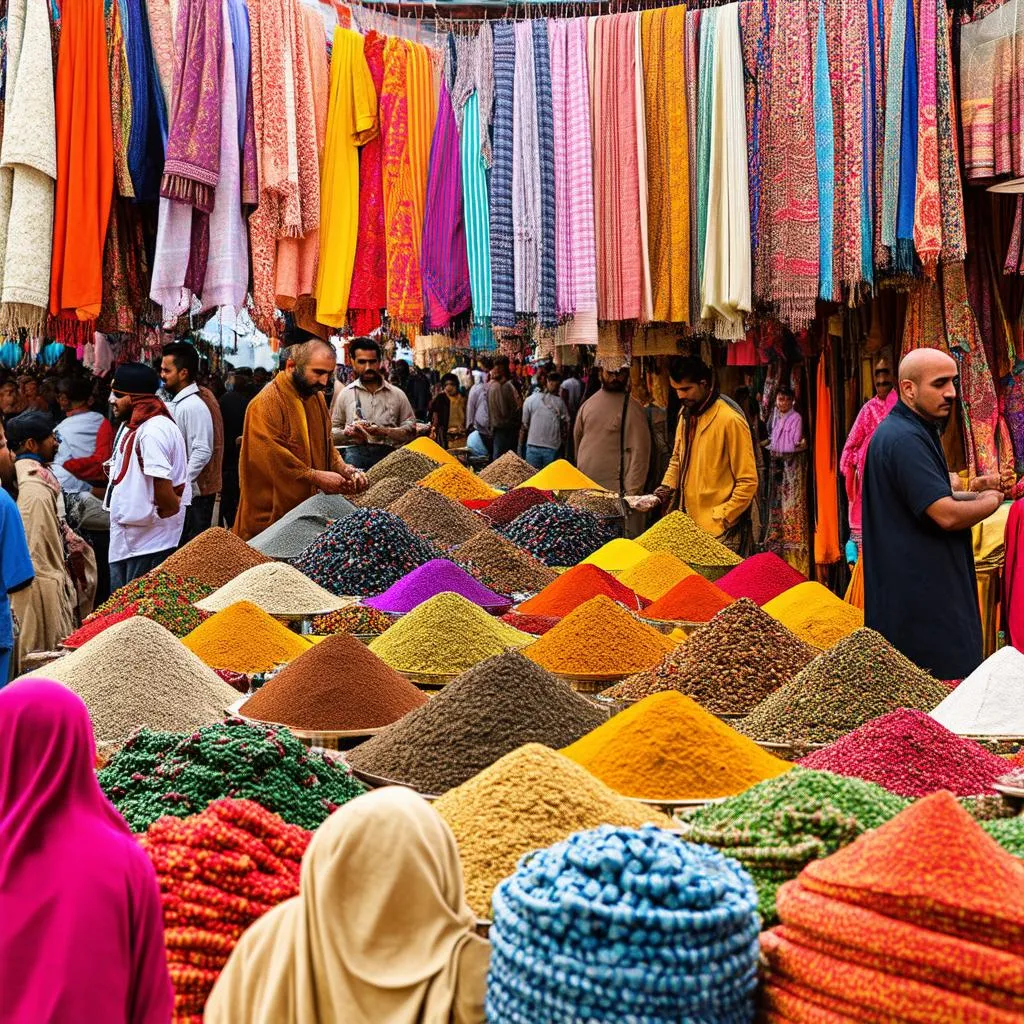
634,926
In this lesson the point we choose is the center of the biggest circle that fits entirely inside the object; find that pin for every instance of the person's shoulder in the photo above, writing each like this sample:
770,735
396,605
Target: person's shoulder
729,413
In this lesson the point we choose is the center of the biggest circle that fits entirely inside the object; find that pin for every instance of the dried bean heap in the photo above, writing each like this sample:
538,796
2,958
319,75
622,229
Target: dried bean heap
301,526
861,678
487,712
162,589
557,534
357,619
778,826
502,566
728,665
503,510
402,463
433,515
383,493
158,773
214,557
507,471
678,533
364,553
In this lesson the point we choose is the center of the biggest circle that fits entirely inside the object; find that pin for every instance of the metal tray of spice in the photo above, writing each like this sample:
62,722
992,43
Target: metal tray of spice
429,679
379,781
589,682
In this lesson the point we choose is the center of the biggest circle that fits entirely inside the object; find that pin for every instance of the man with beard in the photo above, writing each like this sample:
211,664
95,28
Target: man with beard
16,569
370,416
148,492
287,453
920,591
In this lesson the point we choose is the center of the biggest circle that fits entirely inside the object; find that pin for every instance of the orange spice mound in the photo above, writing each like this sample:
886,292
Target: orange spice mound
695,599
244,638
656,575
457,482
574,587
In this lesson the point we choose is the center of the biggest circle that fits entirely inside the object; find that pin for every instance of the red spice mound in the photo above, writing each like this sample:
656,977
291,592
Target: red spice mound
578,585
538,625
93,627
761,578
503,510
693,599
911,754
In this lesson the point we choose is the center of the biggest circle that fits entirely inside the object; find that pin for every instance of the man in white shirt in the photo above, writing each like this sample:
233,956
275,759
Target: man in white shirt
149,488
178,371
545,423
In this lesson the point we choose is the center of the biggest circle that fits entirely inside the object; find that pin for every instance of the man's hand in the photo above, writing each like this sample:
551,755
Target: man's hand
353,481
372,430
644,502
664,495
356,431
329,483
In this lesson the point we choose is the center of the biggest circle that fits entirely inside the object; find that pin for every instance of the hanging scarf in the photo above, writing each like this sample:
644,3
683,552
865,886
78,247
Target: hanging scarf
421,100
927,203
896,48
125,270
503,297
120,97
525,175
872,122
824,145
485,88
145,153
647,308
755,34
705,96
903,256
951,187
546,138
691,69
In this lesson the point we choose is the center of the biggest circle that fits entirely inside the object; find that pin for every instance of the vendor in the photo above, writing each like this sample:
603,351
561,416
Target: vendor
448,414
370,416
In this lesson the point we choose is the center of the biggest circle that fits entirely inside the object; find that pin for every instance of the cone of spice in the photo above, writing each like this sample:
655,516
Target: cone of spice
383,493
244,638
503,566
761,577
538,625
298,528
503,510
401,463
432,450
656,575
617,555
815,614
574,587
678,533
692,600
447,523
214,557
338,684
507,471
356,619
277,588
433,578
561,475
156,586
455,481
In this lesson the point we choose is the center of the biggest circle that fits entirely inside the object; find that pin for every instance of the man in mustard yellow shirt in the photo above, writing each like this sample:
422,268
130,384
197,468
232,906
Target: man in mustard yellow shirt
712,476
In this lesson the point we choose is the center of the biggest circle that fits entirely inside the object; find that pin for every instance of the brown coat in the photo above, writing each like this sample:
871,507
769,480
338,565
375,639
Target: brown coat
209,481
284,440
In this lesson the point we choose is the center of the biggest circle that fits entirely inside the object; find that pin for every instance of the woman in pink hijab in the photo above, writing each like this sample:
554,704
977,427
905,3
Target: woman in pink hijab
81,928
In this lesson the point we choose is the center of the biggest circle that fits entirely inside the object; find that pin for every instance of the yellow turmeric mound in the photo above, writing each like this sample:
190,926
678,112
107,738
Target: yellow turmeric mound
617,555
244,638
561,476
432,450
656,575
667,747
815,614
456,482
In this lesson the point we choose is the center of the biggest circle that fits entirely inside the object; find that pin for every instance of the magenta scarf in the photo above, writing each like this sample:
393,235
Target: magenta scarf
81,926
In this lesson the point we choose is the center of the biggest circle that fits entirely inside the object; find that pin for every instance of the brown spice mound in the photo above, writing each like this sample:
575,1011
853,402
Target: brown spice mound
383,493
508,471
339,683
403,463
502,565
215,557
435,516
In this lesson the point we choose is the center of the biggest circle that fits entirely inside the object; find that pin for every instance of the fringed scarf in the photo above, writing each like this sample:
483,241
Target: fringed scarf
755,34
825,155
927,203
503,311
896,52
951,188
546,138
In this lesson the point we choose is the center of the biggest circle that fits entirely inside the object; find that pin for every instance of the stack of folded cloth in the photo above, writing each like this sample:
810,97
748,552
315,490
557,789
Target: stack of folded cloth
921,920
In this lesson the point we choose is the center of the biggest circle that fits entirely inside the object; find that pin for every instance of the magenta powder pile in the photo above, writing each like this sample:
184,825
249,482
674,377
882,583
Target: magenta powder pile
761,578
503,510
435,577
910,754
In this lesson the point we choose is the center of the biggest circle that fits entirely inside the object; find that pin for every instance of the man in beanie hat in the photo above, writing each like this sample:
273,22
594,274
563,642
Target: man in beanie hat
148,491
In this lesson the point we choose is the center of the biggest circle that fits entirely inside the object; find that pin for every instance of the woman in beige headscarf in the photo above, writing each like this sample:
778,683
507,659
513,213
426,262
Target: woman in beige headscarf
380,933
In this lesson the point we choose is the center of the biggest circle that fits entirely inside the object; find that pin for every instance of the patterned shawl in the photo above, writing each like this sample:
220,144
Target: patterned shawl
951,186
824,146
120,97
485,87
546,138
927,204
503,313
475,209
903,255
145,150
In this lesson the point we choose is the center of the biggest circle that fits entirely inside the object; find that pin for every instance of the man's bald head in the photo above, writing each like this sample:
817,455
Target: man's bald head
928,383
311,365
302,353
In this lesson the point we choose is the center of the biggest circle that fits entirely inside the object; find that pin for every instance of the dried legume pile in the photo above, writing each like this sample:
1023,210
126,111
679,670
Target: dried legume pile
507,471
383,493
432,450
219,871
301,526
777,827
503,510
455,481
277,588
445,635
728,665
1008,833
492,709
761,578
692,600
561,475
678,533
815,614
401,463
158,587
447,523
356,619
337,684
137,674
579,584
599,638
213,558
666,747
364,553
557,534
681,919
598,502
990,701
656,575
861,678
617,555
538,625
909,753
158,773
530,798
503,566
433,578
244,638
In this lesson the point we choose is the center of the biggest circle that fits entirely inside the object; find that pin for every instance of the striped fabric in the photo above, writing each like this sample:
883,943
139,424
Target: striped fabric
706,77
546,137
476,210
503,312
691,65
422,108
525,175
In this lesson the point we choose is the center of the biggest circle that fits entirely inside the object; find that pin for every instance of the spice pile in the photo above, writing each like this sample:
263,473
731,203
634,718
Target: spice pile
158,773
447,523
692,600
137,674
503,510
728,665
538,625
494,708
529,799
401,463
244,638
761,577
990,701
364,553
624,925
432,578
301,526
356,619
214,557
507,471
815,614
777,827
455,481
678,533
557,534
909,753
561,475
666,747
656,575
93,626
219,871
338,684
919,920
1008,833
861,678
575,586
445,636
158,589
383,493
599,638
617,555
499,564
277,588
432,450
602,504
